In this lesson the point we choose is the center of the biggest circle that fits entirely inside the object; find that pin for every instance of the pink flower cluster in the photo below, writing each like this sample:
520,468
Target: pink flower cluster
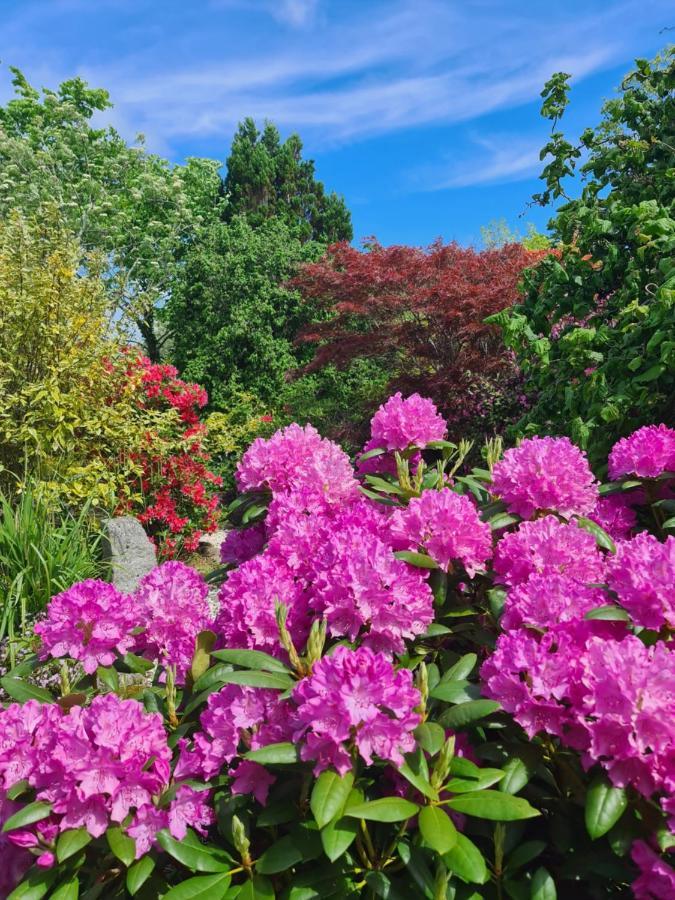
615,515
93,622
643,576
94,766
657,878
237,717
647,453
545,474
445,525
398,425
355,702
242,545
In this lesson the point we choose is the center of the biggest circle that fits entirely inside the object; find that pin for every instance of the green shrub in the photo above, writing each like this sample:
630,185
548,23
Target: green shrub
42,552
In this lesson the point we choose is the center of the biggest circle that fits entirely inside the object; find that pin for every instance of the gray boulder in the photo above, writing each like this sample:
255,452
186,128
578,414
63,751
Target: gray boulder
130,552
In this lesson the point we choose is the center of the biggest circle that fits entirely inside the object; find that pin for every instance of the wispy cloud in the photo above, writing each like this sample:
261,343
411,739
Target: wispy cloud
337,71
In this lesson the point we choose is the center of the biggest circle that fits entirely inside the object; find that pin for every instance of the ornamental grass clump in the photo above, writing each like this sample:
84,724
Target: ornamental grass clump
421,681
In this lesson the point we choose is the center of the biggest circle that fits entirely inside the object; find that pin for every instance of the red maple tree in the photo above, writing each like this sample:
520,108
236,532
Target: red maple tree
422,312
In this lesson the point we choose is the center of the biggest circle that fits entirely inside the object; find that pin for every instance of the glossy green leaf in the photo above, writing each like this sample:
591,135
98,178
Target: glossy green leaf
461,669
418,781
430,736
27,815
602,539
467,713
282,855
543,886
329,796
610,613
109,677
201,887
67,890
420,560
466,861
252,678
251,659
200,858
21,690
386,809
284,752
258,888
121,845
437,829
494,805
70,842
34,885
139,873
605,804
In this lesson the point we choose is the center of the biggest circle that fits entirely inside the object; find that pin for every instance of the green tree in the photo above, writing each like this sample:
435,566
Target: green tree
269,179
115,199
595,334
232,319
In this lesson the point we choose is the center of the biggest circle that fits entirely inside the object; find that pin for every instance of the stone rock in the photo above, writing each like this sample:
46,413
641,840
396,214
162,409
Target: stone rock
209,546
129,550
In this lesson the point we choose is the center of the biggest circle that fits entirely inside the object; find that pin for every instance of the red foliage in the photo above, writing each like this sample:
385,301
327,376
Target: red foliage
179,492
422,312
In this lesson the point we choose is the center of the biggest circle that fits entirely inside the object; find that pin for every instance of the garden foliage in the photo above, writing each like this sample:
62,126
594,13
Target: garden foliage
594,333
419,683
421,315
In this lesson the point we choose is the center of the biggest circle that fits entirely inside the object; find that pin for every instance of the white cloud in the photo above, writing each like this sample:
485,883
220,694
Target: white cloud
343,71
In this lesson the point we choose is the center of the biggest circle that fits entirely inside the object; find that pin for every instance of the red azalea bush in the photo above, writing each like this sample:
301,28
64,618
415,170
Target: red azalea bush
172,491
422,313
419,683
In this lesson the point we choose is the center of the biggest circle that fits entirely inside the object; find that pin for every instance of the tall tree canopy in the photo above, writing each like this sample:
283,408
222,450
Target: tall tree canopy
420,313
269,179
115,199
595,331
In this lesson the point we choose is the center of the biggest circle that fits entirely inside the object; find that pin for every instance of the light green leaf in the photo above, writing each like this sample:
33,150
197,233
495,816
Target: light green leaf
386,809
139,873
272,754
70,842
605,804
494,805
27,815
329,796
437,829
466,861
201,887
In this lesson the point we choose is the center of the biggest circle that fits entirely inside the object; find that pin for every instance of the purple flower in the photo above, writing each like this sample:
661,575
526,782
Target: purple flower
242,545
247,606
545,600
171,601
355,701
545,474
647,453
643,575
548,546
90,622
615,515
447,526
657,876
402,423
15,859
365,592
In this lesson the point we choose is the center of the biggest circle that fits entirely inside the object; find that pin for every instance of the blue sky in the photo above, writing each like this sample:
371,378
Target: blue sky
424,114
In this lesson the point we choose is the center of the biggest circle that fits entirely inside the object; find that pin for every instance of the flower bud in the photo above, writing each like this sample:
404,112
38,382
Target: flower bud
316,641
241,842
281,613
442,767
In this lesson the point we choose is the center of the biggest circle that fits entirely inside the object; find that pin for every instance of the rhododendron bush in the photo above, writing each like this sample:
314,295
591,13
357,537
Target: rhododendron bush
420,681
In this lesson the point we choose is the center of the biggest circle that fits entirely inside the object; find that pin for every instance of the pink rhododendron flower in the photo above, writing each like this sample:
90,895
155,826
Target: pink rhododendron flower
616,515
90,622
247,606
171,601
545,600
545,474
401,423
447,526
355,696
657,876
531,676
629,702
365,592
243,544
252,778
548,546
647,453
643,575
14,860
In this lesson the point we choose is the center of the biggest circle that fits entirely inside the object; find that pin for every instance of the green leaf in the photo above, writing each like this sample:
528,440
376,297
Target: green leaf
466,861
258,888
121,845
523,854
337,836
199,857
251,659
272,754
386,809
34,885
430,736
139,873
602,539
455,691
201,887
543,886
279,857
502,520
605,804
259,679
381,885
201,659
484,778
211,680
494,805
67,890
70,842
437,829
466,713
610,613
136,663
371,454
420,560
329,796
462,668
27,815
21,690
418,780
17,789
109,677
